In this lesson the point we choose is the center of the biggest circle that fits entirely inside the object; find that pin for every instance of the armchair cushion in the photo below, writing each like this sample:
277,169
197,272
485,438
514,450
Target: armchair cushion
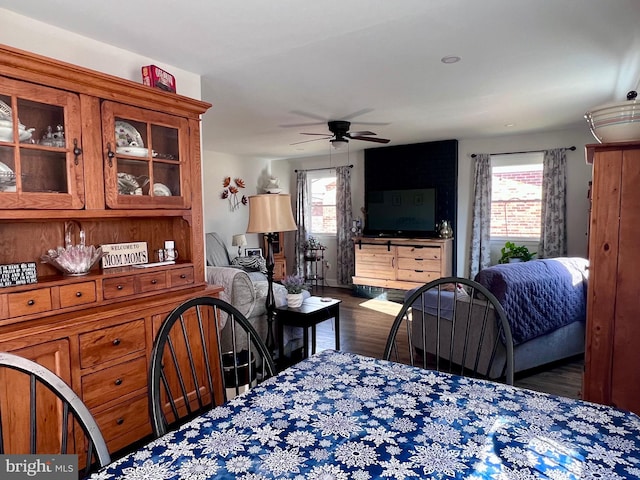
217,254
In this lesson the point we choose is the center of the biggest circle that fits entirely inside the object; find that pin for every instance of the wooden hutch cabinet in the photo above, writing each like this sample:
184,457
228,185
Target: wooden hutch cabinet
612,357
279,259
62,160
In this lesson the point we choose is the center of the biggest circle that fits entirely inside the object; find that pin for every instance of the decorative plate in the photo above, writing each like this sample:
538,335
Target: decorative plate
127,135
133,151
7,179
161,190
5,110
128,185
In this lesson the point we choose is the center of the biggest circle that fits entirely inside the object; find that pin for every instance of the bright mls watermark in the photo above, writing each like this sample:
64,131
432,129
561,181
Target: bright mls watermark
39,467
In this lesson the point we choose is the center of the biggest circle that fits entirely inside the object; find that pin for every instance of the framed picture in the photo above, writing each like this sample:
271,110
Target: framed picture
252,252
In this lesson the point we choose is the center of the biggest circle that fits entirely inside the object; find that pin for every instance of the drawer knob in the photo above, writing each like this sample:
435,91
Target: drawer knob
78,294
31,302
119,287
183,276
120,421
154,281
116,341
118,381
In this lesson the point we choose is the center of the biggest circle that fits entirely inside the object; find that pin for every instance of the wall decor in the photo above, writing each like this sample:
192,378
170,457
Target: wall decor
121,254
230,192
18,274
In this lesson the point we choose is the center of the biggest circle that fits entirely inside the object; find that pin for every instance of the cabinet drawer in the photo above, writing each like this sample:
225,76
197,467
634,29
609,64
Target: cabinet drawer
421,277
113,382
118,287
152,281
77,294
125,423
181,276
111,343
420,265
420,253
26,303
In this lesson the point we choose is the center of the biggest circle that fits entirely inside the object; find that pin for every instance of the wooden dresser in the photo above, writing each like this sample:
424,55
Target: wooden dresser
401,263
612,361
96,331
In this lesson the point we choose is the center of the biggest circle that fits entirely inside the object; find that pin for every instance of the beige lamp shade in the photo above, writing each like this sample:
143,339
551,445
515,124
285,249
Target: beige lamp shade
270,213
239,240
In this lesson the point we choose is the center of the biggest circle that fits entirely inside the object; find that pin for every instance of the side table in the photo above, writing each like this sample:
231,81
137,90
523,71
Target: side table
313,311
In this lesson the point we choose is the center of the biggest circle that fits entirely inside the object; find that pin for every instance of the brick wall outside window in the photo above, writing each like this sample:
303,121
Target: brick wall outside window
516,203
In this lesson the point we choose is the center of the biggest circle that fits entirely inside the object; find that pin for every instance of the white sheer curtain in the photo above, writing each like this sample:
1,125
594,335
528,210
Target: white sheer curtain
553,235
303,219
346,266
480,253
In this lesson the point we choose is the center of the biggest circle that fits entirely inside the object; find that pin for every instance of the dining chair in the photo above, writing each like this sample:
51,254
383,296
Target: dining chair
50,411
456,325
204,353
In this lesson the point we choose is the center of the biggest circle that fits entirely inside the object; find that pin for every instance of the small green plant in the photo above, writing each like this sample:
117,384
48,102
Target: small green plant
294,284
313,243
511,250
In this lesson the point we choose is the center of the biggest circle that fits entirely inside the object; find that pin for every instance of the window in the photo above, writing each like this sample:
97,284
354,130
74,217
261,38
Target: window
323,202
516,196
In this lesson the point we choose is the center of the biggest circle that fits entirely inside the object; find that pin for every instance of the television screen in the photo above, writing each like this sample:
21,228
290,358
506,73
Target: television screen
409,212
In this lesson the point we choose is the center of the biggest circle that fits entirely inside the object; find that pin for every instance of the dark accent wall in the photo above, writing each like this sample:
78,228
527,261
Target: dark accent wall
418,165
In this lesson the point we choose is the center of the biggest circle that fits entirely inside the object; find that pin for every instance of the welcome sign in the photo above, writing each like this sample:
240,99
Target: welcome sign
122,254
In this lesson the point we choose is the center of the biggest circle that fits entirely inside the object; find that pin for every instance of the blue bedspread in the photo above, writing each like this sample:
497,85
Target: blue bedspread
539,296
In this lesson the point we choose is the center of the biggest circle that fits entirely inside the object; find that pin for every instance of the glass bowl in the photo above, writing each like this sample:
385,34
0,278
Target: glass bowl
74,259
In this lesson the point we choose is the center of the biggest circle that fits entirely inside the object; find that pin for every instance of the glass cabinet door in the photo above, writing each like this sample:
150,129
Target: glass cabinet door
40,147
145,154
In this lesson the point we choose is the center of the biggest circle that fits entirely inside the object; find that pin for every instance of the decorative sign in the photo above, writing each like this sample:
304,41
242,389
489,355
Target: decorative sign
18,274
121,254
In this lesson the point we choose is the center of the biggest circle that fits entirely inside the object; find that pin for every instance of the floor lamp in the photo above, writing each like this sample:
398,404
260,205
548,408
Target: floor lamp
269,214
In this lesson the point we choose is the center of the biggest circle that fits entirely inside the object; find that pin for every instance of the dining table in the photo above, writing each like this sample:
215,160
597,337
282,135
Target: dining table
340,416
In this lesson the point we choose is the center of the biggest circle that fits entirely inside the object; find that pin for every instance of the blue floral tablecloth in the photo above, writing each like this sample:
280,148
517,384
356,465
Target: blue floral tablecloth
343,416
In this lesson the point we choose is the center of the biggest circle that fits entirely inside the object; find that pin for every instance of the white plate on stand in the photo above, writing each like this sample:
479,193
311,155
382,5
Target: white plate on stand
127,135
161,190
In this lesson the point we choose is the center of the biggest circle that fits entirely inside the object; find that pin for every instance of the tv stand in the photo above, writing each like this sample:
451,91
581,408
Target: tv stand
401,263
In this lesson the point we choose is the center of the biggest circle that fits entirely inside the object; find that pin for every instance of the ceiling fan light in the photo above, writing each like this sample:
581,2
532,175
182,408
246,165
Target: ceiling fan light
339,143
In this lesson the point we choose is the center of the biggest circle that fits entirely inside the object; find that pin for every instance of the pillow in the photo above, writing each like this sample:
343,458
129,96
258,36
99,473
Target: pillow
255,263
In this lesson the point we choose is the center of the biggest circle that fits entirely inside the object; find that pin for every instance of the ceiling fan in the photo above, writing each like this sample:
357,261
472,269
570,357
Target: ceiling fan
340,135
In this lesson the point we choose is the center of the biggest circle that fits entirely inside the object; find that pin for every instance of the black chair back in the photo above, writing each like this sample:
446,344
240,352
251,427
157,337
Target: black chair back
456,325
204,353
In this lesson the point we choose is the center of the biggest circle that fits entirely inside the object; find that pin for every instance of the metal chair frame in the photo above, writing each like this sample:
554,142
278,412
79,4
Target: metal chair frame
467,366
72,407
210,312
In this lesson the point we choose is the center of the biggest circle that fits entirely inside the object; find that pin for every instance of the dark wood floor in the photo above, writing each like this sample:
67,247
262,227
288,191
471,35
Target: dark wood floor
365,324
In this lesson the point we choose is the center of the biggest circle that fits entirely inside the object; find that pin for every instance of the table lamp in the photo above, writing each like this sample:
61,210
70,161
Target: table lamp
269,214
239,241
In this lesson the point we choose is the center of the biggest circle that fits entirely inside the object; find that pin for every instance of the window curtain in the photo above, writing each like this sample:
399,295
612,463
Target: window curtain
553,234
303,219
345,267
480,254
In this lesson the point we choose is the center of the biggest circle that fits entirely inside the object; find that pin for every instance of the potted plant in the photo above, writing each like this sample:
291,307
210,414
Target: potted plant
515,253
295,286
310,246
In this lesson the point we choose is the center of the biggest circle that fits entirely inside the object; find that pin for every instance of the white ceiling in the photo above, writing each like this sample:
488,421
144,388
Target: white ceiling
267,65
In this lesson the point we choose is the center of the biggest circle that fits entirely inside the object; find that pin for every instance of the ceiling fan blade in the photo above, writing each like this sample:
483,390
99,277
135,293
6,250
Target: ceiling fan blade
370,139
312,140
312,124
359,134
323,134
356,114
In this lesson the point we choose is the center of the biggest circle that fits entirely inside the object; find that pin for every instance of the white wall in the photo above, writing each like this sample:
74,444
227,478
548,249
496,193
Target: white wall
34,36
218,216
578,176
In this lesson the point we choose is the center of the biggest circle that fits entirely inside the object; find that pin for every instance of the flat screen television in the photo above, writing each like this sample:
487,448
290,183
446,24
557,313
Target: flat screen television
401,212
